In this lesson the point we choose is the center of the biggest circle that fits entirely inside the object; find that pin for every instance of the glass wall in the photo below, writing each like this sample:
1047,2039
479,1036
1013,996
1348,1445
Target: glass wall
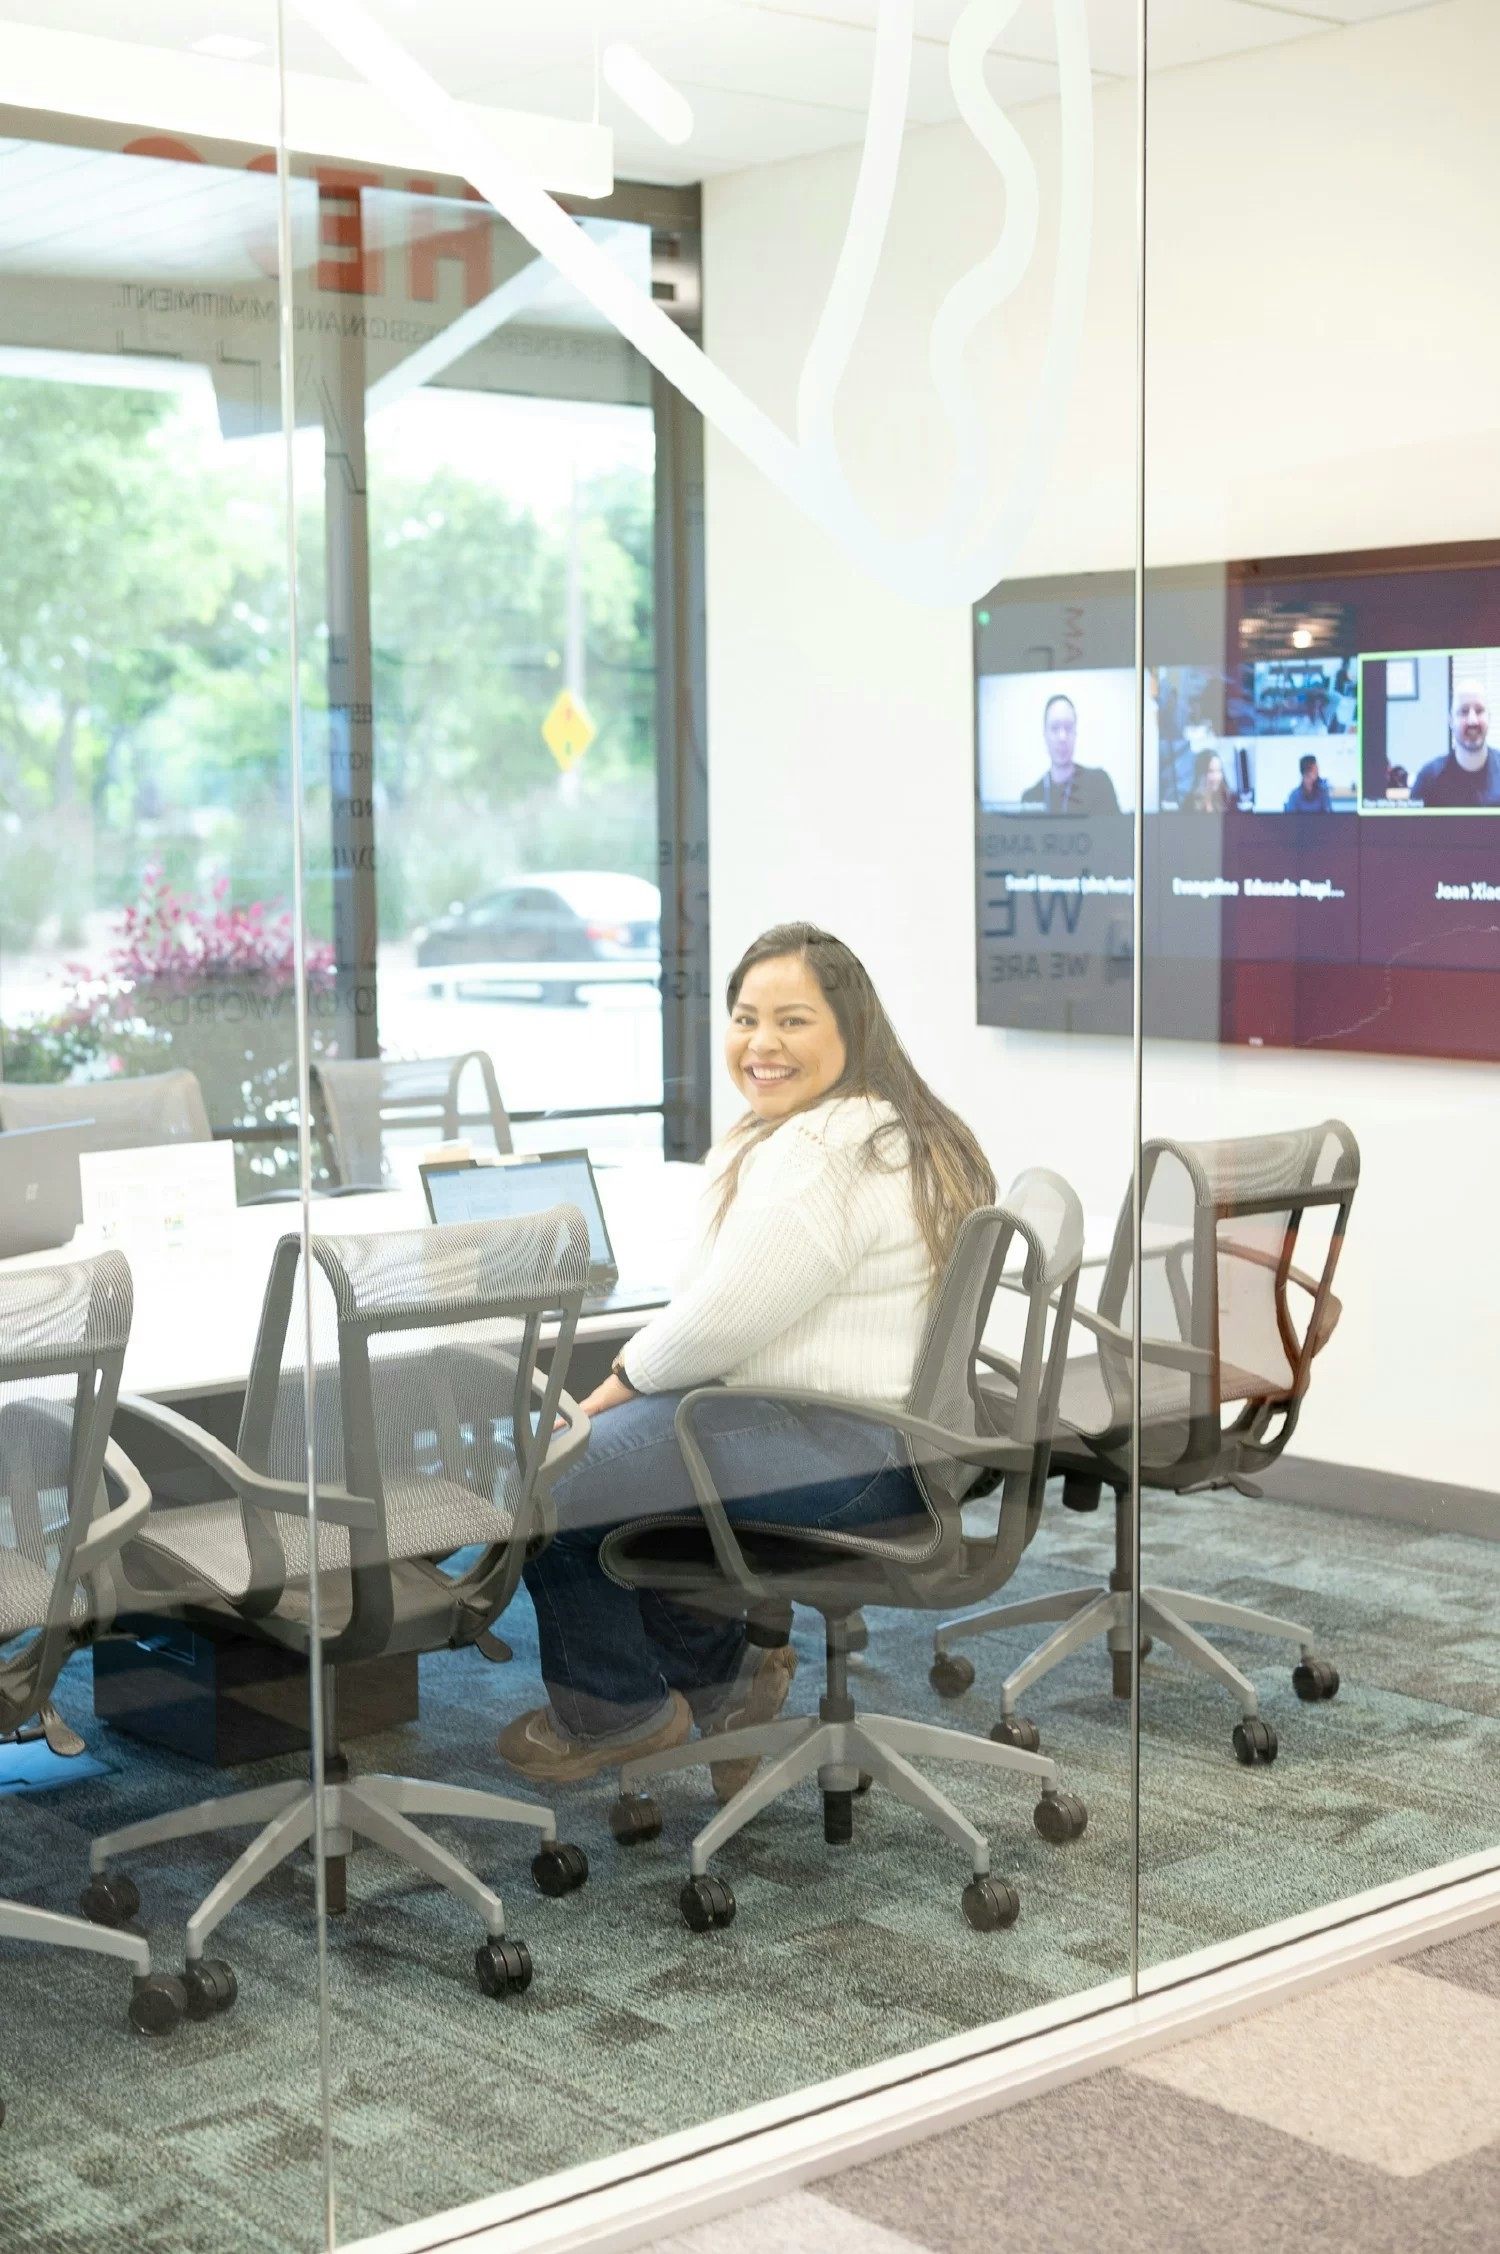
577,493
149,1106
1319,951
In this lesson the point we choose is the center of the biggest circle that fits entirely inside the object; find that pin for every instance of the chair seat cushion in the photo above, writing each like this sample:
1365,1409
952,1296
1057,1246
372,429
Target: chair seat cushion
26,1593
677,1556
425,1518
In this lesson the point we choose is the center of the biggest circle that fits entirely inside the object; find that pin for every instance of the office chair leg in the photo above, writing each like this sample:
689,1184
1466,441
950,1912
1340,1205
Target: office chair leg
557,1867
810,1752
1096,1618
270,1848
728,1745
1213,1613
924,1738
1035,1612
191,1823
158,2001
1254,1740
988,1904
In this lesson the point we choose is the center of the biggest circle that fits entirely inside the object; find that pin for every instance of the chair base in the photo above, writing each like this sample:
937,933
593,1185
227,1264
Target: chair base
841,1754
1171,1615
374,1808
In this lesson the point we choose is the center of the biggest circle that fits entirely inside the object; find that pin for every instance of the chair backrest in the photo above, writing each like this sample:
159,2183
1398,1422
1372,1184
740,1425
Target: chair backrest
1033,1244
159,1107
424,1392
365,1098
63,1333
1221,1223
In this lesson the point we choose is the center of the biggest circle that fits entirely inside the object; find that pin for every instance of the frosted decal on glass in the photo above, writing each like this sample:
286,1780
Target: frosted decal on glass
969,547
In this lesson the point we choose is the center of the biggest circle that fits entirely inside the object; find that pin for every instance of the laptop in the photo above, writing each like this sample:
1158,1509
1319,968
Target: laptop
41,1203
463,1190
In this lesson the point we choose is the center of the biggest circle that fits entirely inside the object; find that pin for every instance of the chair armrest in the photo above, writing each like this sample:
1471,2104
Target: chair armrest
1169,1353
1001,1363
1258,1258
255,1488
963,1447
113,1528
563,1447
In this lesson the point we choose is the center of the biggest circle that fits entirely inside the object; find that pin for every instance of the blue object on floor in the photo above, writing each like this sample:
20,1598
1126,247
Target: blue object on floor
36,1768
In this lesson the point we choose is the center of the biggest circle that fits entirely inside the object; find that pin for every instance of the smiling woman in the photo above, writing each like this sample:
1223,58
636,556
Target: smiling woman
827,1214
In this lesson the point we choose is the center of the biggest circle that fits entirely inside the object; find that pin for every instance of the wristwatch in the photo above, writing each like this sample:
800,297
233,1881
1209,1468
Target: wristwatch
617,1369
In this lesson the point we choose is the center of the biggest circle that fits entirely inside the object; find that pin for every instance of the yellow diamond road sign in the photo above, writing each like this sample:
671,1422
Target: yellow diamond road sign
567,730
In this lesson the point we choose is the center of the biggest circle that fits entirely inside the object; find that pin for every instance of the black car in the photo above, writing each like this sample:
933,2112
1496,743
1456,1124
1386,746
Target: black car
569,916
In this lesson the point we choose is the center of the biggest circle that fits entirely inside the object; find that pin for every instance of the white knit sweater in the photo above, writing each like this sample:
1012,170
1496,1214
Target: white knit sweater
818,1278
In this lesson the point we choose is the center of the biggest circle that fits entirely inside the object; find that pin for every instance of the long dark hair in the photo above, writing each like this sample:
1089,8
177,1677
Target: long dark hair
950,1174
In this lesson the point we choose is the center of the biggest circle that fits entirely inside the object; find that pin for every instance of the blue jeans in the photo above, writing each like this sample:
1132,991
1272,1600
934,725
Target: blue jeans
611,1657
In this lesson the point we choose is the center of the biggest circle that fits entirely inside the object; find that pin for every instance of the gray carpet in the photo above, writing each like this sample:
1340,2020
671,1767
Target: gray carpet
1123,2162
838,1959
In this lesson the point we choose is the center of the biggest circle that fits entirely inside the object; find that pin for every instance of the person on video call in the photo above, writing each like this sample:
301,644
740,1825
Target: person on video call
1210,793
1312,795
1469,772
1067,788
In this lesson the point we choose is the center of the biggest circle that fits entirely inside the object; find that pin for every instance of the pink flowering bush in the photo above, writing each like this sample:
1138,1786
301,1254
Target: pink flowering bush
170,941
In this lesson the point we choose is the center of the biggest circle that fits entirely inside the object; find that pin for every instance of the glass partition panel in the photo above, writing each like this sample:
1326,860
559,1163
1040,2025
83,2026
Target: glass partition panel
691,430
159,2023
1319,1554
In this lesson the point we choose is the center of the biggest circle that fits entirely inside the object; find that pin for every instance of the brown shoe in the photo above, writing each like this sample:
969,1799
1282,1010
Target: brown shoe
535,1745
763,1702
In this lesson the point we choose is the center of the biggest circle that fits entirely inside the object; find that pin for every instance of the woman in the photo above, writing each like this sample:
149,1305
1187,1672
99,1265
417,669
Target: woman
1210,793
829,1210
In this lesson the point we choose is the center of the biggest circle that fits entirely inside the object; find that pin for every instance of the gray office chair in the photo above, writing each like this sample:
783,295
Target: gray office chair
158,1107
759,1572
68,1500
433,1432
1226,1363
363,1100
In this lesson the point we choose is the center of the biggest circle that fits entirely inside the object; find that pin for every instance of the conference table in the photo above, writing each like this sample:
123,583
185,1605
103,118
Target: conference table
198,1301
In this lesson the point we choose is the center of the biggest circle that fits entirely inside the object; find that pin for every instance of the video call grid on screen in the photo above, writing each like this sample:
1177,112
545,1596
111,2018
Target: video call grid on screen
1279,700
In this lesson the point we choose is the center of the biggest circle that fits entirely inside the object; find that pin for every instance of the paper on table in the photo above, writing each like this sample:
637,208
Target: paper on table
170,1197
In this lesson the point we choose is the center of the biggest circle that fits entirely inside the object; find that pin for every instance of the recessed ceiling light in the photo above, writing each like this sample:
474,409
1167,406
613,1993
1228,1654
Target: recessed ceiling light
1302,639
229,47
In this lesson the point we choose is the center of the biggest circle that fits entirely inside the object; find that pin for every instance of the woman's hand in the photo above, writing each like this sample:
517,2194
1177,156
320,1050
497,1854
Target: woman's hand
610,1395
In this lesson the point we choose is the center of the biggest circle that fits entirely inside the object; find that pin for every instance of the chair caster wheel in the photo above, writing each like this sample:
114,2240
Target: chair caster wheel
864,1784
503,1967
635,1818
1060,1816
110,1898
211,1987
989,1905
560,1869
706,1903
950,1677
1315,1679
158,2003
1254,1740
857,1632
1018,1730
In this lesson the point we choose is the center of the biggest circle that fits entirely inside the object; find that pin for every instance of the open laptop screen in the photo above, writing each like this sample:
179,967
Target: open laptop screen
509,1192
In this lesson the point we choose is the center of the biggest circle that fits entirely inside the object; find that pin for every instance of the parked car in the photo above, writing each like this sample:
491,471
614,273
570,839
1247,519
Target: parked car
568,916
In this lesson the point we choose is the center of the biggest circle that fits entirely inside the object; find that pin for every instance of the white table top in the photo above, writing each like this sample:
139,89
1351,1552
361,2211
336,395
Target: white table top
198,1305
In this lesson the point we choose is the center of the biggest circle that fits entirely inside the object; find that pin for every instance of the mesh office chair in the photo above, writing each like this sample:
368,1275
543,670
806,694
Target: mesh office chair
759,1572
433,1432
63,1333
363,1100
159,1107
1225,1366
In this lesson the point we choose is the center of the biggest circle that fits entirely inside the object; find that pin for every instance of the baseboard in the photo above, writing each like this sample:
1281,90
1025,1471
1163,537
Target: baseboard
669,2185
1435,1505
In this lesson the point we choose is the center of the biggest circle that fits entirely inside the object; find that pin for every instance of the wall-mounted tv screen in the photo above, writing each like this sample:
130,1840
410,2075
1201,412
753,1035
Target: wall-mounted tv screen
1315,748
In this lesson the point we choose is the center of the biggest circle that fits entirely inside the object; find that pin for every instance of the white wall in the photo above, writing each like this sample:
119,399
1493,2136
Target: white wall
1325,373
